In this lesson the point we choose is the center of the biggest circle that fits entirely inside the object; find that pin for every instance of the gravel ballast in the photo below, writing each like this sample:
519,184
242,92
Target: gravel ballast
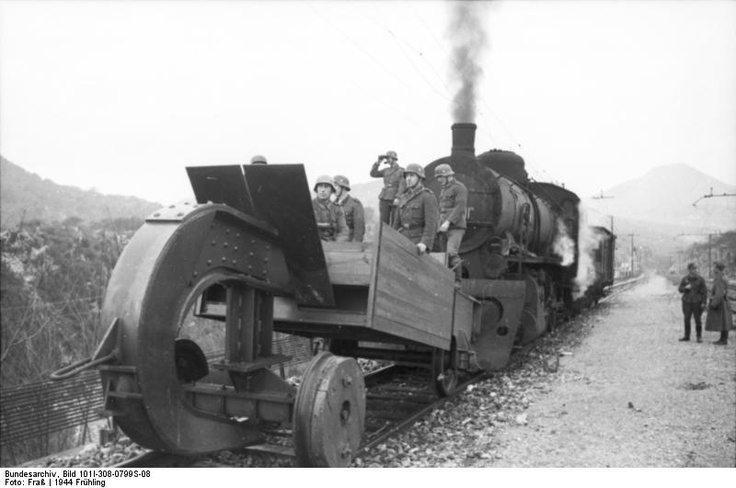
612,388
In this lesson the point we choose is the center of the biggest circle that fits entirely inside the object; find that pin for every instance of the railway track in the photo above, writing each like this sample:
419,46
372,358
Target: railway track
396,397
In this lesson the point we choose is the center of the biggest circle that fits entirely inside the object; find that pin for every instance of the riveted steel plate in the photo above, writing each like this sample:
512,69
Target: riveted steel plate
280,194
221,184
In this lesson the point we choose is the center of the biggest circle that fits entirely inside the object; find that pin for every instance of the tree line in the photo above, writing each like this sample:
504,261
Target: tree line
53,278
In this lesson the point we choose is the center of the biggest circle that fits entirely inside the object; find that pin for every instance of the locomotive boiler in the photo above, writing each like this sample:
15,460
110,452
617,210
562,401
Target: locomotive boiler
516,229
187,361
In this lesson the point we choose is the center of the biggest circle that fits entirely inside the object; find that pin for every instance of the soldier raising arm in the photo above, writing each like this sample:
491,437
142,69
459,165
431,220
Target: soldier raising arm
393,184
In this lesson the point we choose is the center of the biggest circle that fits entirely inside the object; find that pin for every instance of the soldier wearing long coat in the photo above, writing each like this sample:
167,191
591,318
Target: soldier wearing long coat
417,214
719,317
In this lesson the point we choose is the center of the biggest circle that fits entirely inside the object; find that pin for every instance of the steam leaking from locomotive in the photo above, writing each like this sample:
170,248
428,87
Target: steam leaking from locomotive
564,246
588,241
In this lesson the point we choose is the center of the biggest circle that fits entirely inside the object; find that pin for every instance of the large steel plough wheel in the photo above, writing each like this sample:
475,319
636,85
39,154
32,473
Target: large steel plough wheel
329,412
171,260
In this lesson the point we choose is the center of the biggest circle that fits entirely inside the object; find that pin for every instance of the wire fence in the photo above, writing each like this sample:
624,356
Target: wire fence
46,417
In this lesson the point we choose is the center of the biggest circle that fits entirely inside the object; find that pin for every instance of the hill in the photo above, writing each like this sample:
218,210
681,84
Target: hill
658,209
367,193
666,195
25,196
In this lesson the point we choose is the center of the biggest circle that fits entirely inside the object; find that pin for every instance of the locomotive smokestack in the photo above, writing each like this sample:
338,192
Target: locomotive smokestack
463,139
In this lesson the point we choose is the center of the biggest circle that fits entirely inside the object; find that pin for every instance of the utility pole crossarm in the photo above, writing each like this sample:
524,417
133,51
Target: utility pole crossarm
602,196
712,195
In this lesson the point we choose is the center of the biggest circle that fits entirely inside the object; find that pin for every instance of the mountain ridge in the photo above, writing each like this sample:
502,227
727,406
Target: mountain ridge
25,196
663,197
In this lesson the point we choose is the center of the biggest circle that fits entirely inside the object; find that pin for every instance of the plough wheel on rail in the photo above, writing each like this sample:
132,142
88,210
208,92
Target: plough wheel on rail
329,412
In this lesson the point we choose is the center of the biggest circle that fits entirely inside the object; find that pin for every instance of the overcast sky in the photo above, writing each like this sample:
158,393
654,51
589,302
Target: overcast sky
122,96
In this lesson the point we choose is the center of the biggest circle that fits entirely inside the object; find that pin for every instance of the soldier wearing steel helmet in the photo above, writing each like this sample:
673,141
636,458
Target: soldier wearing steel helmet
393,184
258,159
351,206
417,213
453,202
330,217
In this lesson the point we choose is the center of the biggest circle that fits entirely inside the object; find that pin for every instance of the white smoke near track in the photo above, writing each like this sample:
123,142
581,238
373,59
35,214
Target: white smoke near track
469,40
588,242
564,245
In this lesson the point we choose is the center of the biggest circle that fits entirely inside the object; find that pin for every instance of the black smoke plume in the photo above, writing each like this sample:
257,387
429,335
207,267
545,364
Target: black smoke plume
469,41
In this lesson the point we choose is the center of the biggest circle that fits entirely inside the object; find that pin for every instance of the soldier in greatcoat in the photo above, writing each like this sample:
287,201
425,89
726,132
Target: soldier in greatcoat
719,317
393,184
351,207
453,203
417,213
330,217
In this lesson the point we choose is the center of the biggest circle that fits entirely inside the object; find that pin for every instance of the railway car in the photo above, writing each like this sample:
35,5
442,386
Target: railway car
603,262
247,258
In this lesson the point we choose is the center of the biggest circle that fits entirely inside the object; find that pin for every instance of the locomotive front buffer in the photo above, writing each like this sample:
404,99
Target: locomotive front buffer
196,296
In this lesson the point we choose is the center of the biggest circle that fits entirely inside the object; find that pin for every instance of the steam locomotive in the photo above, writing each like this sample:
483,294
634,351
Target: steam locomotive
245,262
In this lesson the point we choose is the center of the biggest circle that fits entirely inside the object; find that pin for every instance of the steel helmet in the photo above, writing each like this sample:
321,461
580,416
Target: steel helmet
391,154
258,159
416,169
326,180
443,169
342,181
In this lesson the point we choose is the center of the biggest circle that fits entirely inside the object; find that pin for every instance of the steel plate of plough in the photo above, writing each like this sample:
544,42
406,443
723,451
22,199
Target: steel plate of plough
281,196
221,184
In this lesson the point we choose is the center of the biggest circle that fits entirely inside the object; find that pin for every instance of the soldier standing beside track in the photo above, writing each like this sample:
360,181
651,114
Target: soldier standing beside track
393,184
694,293
330,217
453,202
351,206
719,317
417,213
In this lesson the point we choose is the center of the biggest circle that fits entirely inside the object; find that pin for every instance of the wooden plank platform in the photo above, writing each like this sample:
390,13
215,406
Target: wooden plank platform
412,296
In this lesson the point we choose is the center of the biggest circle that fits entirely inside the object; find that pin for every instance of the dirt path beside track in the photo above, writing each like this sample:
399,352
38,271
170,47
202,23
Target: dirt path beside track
631,395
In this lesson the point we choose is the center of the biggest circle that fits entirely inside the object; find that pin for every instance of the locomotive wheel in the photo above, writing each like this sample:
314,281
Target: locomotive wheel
329,412
444,374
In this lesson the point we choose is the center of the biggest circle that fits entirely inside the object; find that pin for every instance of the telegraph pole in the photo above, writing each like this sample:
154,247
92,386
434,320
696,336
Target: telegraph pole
632,251
602,197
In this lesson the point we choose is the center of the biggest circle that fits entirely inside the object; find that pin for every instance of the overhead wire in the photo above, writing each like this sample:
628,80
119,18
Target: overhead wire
418,52
372,58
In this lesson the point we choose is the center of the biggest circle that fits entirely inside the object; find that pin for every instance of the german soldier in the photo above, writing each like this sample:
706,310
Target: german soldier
393,184
719,318
694,294
351,207
330,217
258,159
453,202
417,215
